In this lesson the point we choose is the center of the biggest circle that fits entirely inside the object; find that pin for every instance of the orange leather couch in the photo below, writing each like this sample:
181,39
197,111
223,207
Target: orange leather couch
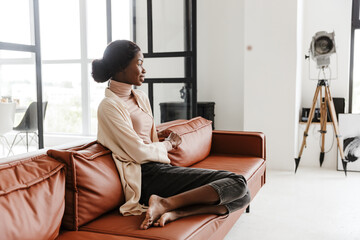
74,193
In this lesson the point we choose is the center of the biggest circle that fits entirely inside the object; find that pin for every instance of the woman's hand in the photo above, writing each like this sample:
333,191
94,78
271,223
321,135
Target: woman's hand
174,139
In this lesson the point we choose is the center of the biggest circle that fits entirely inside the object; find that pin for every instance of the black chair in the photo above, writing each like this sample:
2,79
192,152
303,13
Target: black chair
28,124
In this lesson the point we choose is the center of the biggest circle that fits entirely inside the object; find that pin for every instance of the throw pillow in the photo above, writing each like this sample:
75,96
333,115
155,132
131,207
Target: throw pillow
93,185
196,137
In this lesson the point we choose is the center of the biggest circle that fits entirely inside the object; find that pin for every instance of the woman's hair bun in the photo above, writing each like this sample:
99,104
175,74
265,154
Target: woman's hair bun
100,72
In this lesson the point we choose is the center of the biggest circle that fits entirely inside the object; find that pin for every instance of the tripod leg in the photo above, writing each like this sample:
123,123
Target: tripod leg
311,116
336,129
323,120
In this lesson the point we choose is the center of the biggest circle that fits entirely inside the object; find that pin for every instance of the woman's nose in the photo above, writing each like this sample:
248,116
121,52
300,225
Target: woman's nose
143,70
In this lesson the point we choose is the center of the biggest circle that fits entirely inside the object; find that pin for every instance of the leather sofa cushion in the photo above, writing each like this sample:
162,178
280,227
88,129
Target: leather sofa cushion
244,165
93,185
196,137
32,201
193,227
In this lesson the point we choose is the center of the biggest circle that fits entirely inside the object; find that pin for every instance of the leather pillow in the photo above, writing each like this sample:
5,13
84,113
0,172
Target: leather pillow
93,185
31,198
196,137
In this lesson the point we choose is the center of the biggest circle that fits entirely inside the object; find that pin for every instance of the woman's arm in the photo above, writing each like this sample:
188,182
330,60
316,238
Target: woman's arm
116,133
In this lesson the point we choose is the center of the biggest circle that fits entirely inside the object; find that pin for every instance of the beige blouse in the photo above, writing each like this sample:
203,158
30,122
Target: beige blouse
116,132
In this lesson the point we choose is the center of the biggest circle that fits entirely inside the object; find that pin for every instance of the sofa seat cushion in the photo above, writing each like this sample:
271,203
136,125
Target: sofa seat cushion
32,201
238,164
196,135
193,227
84,235
93,184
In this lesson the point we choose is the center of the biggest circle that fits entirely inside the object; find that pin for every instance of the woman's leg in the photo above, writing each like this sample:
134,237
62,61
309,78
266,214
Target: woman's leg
181,187
204,195
190,211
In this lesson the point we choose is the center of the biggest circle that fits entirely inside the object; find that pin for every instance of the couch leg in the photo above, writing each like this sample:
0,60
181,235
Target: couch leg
248,209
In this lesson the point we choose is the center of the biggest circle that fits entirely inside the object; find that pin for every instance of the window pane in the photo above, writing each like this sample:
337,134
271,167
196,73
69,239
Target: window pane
121,12
356,73
168,25
60,29
18,88
96,28
21,87
141,25
16,21
164,67
168,104
97,93
62,90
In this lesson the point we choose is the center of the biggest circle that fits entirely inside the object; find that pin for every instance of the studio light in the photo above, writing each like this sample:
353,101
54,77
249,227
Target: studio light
321,47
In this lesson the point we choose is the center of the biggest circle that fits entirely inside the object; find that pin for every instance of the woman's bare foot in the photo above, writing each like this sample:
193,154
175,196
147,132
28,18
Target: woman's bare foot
167,217
157,207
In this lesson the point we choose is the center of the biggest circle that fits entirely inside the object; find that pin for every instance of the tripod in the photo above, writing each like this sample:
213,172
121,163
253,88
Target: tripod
326,102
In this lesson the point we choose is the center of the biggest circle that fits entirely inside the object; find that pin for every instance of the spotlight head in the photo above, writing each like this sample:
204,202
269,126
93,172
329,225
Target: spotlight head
321,47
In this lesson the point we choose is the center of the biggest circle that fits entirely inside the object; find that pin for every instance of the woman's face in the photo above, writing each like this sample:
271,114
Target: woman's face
134,73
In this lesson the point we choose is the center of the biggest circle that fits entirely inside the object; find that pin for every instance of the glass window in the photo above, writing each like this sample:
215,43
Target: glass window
19,89
168,104
121,19
168,25
65,27
16,18
97,93
59,29
164,67
96,28
141,25
62,90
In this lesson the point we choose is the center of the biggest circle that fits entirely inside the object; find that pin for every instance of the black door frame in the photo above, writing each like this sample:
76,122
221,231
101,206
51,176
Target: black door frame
190,79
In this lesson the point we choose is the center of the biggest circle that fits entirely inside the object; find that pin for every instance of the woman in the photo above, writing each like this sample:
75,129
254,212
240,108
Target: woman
150,183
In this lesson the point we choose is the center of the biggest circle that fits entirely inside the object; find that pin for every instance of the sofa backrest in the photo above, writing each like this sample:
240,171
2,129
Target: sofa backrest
32,201
93,184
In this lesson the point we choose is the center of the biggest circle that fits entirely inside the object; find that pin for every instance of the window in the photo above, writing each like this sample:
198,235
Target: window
355,60
68,45
46,50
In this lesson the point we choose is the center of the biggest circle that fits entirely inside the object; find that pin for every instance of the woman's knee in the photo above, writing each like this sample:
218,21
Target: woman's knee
242,184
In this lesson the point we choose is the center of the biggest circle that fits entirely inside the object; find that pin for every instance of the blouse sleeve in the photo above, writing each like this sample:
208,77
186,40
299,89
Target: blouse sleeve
116,133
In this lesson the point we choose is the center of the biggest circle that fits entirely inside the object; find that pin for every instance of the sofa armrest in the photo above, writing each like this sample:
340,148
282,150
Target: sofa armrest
241,143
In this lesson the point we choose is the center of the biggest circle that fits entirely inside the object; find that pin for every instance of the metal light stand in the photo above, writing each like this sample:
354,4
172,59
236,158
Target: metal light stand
327,102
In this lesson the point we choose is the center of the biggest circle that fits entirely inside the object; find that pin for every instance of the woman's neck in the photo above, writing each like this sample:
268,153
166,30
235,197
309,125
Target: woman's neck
122,90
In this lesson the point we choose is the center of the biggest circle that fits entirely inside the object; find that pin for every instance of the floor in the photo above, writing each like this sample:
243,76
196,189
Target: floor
313,204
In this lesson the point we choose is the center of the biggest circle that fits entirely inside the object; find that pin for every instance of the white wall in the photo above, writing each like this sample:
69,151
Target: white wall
270,77
264,88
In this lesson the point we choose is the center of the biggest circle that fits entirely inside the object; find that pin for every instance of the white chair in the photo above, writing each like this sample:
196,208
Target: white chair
7,114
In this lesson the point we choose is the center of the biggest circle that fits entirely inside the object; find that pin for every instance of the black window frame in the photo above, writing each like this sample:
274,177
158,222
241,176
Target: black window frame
35,48
189,54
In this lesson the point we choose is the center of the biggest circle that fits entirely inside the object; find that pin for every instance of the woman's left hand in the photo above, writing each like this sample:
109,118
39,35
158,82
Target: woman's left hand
174,139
